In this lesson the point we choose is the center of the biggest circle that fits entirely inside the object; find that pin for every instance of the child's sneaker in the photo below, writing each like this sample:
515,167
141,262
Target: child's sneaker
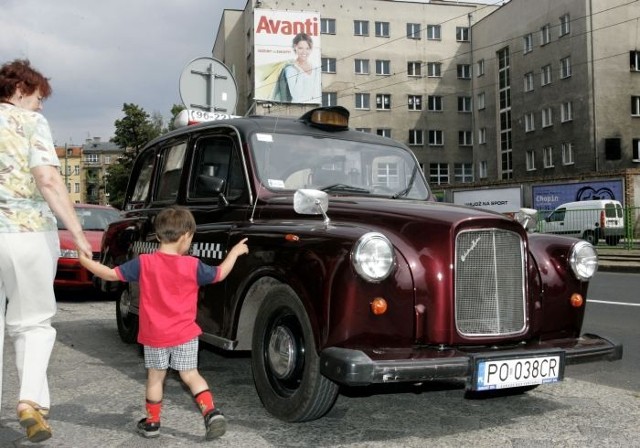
215,424
148,429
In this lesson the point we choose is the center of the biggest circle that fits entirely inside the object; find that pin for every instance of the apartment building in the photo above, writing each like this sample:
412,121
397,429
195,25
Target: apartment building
72,172
402,69
96,158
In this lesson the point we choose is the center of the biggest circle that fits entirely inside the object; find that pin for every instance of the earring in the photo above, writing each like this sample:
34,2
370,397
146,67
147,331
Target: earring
20,97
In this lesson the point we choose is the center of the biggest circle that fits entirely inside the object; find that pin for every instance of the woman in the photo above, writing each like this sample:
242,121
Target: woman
299,81
31,191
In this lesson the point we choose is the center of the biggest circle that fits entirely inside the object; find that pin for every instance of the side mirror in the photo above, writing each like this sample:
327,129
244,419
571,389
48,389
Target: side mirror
311,202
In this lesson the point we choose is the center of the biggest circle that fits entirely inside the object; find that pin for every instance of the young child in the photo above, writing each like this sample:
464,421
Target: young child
169,282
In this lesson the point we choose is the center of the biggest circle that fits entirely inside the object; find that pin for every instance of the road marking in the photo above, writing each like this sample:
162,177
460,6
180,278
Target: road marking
613,303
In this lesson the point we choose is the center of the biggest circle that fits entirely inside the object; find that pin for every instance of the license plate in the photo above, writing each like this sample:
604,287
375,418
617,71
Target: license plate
520,371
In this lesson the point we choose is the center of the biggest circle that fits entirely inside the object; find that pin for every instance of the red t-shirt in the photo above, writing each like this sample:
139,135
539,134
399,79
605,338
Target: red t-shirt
168,295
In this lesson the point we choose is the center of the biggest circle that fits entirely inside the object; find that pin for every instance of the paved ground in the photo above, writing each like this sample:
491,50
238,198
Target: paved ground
98,390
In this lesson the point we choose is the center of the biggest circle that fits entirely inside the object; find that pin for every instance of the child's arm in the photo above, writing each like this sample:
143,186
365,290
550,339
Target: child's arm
227,265
98,269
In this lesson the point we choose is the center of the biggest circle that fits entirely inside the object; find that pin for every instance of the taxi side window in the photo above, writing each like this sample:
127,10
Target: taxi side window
217,169
140,193
169,177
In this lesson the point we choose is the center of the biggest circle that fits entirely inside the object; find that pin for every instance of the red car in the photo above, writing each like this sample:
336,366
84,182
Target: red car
94,220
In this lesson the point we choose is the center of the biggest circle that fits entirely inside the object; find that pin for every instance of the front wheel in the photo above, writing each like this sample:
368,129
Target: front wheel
126,320
284,361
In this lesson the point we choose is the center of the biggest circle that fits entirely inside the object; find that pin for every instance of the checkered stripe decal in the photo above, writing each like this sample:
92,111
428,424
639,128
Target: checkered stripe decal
145,247
212,251
207,250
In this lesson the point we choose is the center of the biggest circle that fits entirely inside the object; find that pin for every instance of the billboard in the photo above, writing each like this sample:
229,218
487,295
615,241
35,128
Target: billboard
287,56
548,197
501,200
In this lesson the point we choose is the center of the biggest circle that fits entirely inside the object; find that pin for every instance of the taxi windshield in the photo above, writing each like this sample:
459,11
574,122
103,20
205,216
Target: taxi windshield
290,162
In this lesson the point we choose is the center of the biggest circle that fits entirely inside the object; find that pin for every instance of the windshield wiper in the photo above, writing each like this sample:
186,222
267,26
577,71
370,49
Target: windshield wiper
406,191
345,187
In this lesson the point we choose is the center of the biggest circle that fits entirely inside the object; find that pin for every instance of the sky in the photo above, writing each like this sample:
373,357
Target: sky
99,55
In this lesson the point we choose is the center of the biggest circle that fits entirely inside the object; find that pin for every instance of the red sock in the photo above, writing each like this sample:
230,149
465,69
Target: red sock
153,411
204,400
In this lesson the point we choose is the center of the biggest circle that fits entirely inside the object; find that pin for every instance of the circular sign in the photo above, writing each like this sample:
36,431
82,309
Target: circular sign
207,84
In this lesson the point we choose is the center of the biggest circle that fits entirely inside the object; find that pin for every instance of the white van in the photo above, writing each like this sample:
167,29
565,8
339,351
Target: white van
590,220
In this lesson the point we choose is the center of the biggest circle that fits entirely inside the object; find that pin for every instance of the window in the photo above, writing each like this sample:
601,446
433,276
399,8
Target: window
462,34
365,130
360,27
634,61
480,67
329,99
482,136
547,117
567,153
635,106
415,102
413,31
565,67
463,172
545,77
465,138
384,132
383,101
362,66
387,175
76,187
383,67
416,137
414,68
464,104
328,26
328,65
91,158
545,34
464,71
565,25
382,29
438,173
566,111
436,137
483,170
527,43
362,101
434,103
480,100
434,69
528,82
529,122
547,155
635,156
169,179
433,32
531,160
76,170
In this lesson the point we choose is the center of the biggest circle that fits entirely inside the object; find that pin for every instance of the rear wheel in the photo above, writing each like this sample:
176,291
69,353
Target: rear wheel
126,320
284,361
612,240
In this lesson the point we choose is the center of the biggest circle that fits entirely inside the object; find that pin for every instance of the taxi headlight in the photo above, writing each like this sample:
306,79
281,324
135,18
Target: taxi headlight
373,257
68,253
583,260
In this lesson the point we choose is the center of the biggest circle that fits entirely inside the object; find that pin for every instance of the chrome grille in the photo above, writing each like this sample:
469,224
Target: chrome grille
489,283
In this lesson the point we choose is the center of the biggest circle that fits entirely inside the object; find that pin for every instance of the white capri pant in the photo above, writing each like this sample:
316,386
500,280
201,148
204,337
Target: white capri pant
28,263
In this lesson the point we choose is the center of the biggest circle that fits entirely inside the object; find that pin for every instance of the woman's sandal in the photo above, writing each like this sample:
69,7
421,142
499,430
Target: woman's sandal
33,419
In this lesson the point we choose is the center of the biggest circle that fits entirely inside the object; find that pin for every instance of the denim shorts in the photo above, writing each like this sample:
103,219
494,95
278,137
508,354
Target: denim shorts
178,357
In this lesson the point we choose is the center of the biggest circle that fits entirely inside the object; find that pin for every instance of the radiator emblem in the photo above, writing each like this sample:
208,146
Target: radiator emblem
474,243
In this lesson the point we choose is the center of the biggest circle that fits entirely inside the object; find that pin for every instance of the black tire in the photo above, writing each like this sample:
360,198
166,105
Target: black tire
590,237
126,320
487,394
612,240
290,385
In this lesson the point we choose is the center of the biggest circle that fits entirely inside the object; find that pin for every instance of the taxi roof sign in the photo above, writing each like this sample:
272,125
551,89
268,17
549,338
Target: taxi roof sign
187,117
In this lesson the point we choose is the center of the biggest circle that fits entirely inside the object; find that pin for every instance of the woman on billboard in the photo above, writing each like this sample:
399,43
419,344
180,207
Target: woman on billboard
298,81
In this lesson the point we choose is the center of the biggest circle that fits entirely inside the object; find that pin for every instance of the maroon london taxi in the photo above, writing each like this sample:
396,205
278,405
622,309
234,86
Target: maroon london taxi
355,275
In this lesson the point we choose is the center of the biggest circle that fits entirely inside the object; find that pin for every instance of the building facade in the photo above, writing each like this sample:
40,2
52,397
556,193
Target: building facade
520,93
71,171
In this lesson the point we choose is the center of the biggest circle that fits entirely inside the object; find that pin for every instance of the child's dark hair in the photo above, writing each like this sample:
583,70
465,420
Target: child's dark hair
173,222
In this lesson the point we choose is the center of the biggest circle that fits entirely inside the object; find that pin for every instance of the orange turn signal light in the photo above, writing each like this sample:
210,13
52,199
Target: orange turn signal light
291,237
378,306
576,300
